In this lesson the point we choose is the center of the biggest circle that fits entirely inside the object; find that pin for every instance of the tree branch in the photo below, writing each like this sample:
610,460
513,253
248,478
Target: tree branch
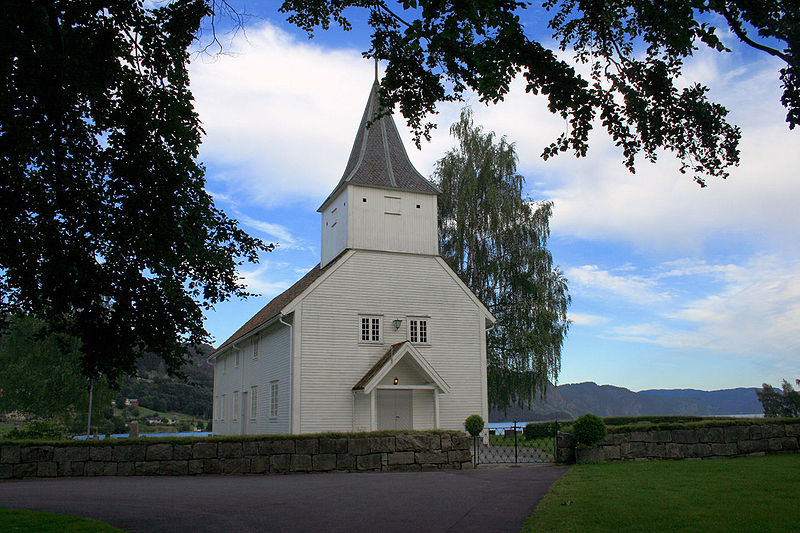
736,26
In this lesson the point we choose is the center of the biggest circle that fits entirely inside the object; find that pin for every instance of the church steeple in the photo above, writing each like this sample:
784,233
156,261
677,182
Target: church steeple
378,157
381,202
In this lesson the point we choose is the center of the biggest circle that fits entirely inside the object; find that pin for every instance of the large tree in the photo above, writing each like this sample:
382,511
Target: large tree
495,239
107,234
631,51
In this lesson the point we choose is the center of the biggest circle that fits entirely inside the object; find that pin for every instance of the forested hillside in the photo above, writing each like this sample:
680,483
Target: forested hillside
156,390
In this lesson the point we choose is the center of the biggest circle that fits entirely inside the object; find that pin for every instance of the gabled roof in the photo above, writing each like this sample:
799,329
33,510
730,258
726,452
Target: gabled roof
273,308
378,157
393,356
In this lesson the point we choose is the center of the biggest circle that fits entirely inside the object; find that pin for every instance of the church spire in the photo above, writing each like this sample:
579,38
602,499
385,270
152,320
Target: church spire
378,157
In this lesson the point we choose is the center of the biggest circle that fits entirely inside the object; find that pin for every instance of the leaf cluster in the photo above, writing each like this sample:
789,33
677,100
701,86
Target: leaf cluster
107,232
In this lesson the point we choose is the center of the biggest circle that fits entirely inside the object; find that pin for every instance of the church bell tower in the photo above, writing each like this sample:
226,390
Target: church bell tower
382,202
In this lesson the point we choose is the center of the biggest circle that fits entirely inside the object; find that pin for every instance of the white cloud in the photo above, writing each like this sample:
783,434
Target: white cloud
753,310
280,233
279,114
590,279
693,268
586,319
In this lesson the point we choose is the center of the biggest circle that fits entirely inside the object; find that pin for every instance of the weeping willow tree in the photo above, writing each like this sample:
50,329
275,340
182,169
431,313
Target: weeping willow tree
495,239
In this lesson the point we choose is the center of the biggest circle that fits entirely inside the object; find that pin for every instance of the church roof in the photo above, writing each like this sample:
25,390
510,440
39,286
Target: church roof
378,157
273,308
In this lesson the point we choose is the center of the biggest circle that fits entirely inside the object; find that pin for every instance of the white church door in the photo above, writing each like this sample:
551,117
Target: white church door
395,409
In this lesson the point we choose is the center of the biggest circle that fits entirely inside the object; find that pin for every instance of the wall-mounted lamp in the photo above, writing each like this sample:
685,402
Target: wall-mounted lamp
395,380
396,323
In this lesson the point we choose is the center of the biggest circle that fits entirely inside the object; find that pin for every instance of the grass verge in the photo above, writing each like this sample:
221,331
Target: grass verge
743,494
24,520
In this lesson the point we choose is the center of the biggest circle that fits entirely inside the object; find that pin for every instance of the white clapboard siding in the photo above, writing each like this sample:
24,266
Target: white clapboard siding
272,363
362,414
393,286
422,401
334,228
376,225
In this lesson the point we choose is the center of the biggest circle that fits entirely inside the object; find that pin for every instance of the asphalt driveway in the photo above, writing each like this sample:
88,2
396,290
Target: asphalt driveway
496,499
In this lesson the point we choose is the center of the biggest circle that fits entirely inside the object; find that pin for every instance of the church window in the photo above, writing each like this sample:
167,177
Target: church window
370,329
273,400
253,402
236,405
418,330
222,414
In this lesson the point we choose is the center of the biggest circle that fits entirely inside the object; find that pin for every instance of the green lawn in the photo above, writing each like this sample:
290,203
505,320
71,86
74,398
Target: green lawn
743,494
23,520
5,428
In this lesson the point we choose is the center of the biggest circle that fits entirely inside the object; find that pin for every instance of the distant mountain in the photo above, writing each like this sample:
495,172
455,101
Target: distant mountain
572,400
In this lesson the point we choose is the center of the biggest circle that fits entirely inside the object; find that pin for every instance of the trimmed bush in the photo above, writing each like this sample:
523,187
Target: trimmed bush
588,430
474,425
539,430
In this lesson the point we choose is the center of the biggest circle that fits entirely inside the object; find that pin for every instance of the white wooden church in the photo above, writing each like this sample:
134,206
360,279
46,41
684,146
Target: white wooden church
382,334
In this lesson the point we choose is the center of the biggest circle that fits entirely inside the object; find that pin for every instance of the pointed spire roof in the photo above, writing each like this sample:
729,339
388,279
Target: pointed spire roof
378,158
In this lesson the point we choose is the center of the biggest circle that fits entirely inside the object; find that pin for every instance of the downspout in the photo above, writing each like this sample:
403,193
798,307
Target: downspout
354,410
291,371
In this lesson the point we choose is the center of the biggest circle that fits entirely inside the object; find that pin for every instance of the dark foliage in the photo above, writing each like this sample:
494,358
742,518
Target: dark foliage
106,231
784,402
539,430
588,429
474,425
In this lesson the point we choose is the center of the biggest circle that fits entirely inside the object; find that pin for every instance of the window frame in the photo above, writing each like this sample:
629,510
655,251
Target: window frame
235,414
423,328
274,397
374,324
256,339
253,402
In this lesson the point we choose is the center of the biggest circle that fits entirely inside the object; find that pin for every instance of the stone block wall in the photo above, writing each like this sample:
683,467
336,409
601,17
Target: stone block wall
267,455
692,443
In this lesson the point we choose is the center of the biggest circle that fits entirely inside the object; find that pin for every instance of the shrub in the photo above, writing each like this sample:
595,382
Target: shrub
39,429
474,425
538,430
588,430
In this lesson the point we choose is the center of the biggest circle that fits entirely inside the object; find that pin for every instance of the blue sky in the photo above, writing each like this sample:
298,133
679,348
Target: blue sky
672,286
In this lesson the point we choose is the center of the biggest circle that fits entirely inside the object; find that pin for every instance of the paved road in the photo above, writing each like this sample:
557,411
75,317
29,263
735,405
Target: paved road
485,500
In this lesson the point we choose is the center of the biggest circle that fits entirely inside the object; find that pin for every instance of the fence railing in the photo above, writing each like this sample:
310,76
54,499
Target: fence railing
510,445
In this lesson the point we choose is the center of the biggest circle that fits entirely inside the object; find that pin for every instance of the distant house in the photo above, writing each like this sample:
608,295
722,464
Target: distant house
132,402
381,334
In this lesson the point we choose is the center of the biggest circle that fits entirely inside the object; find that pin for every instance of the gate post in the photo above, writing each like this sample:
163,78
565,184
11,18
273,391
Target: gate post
555,442
515,442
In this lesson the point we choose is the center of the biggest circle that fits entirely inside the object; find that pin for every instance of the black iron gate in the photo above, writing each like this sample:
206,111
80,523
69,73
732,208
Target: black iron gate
513,445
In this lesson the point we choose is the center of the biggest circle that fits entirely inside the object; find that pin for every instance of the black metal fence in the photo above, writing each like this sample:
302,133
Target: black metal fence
510,445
